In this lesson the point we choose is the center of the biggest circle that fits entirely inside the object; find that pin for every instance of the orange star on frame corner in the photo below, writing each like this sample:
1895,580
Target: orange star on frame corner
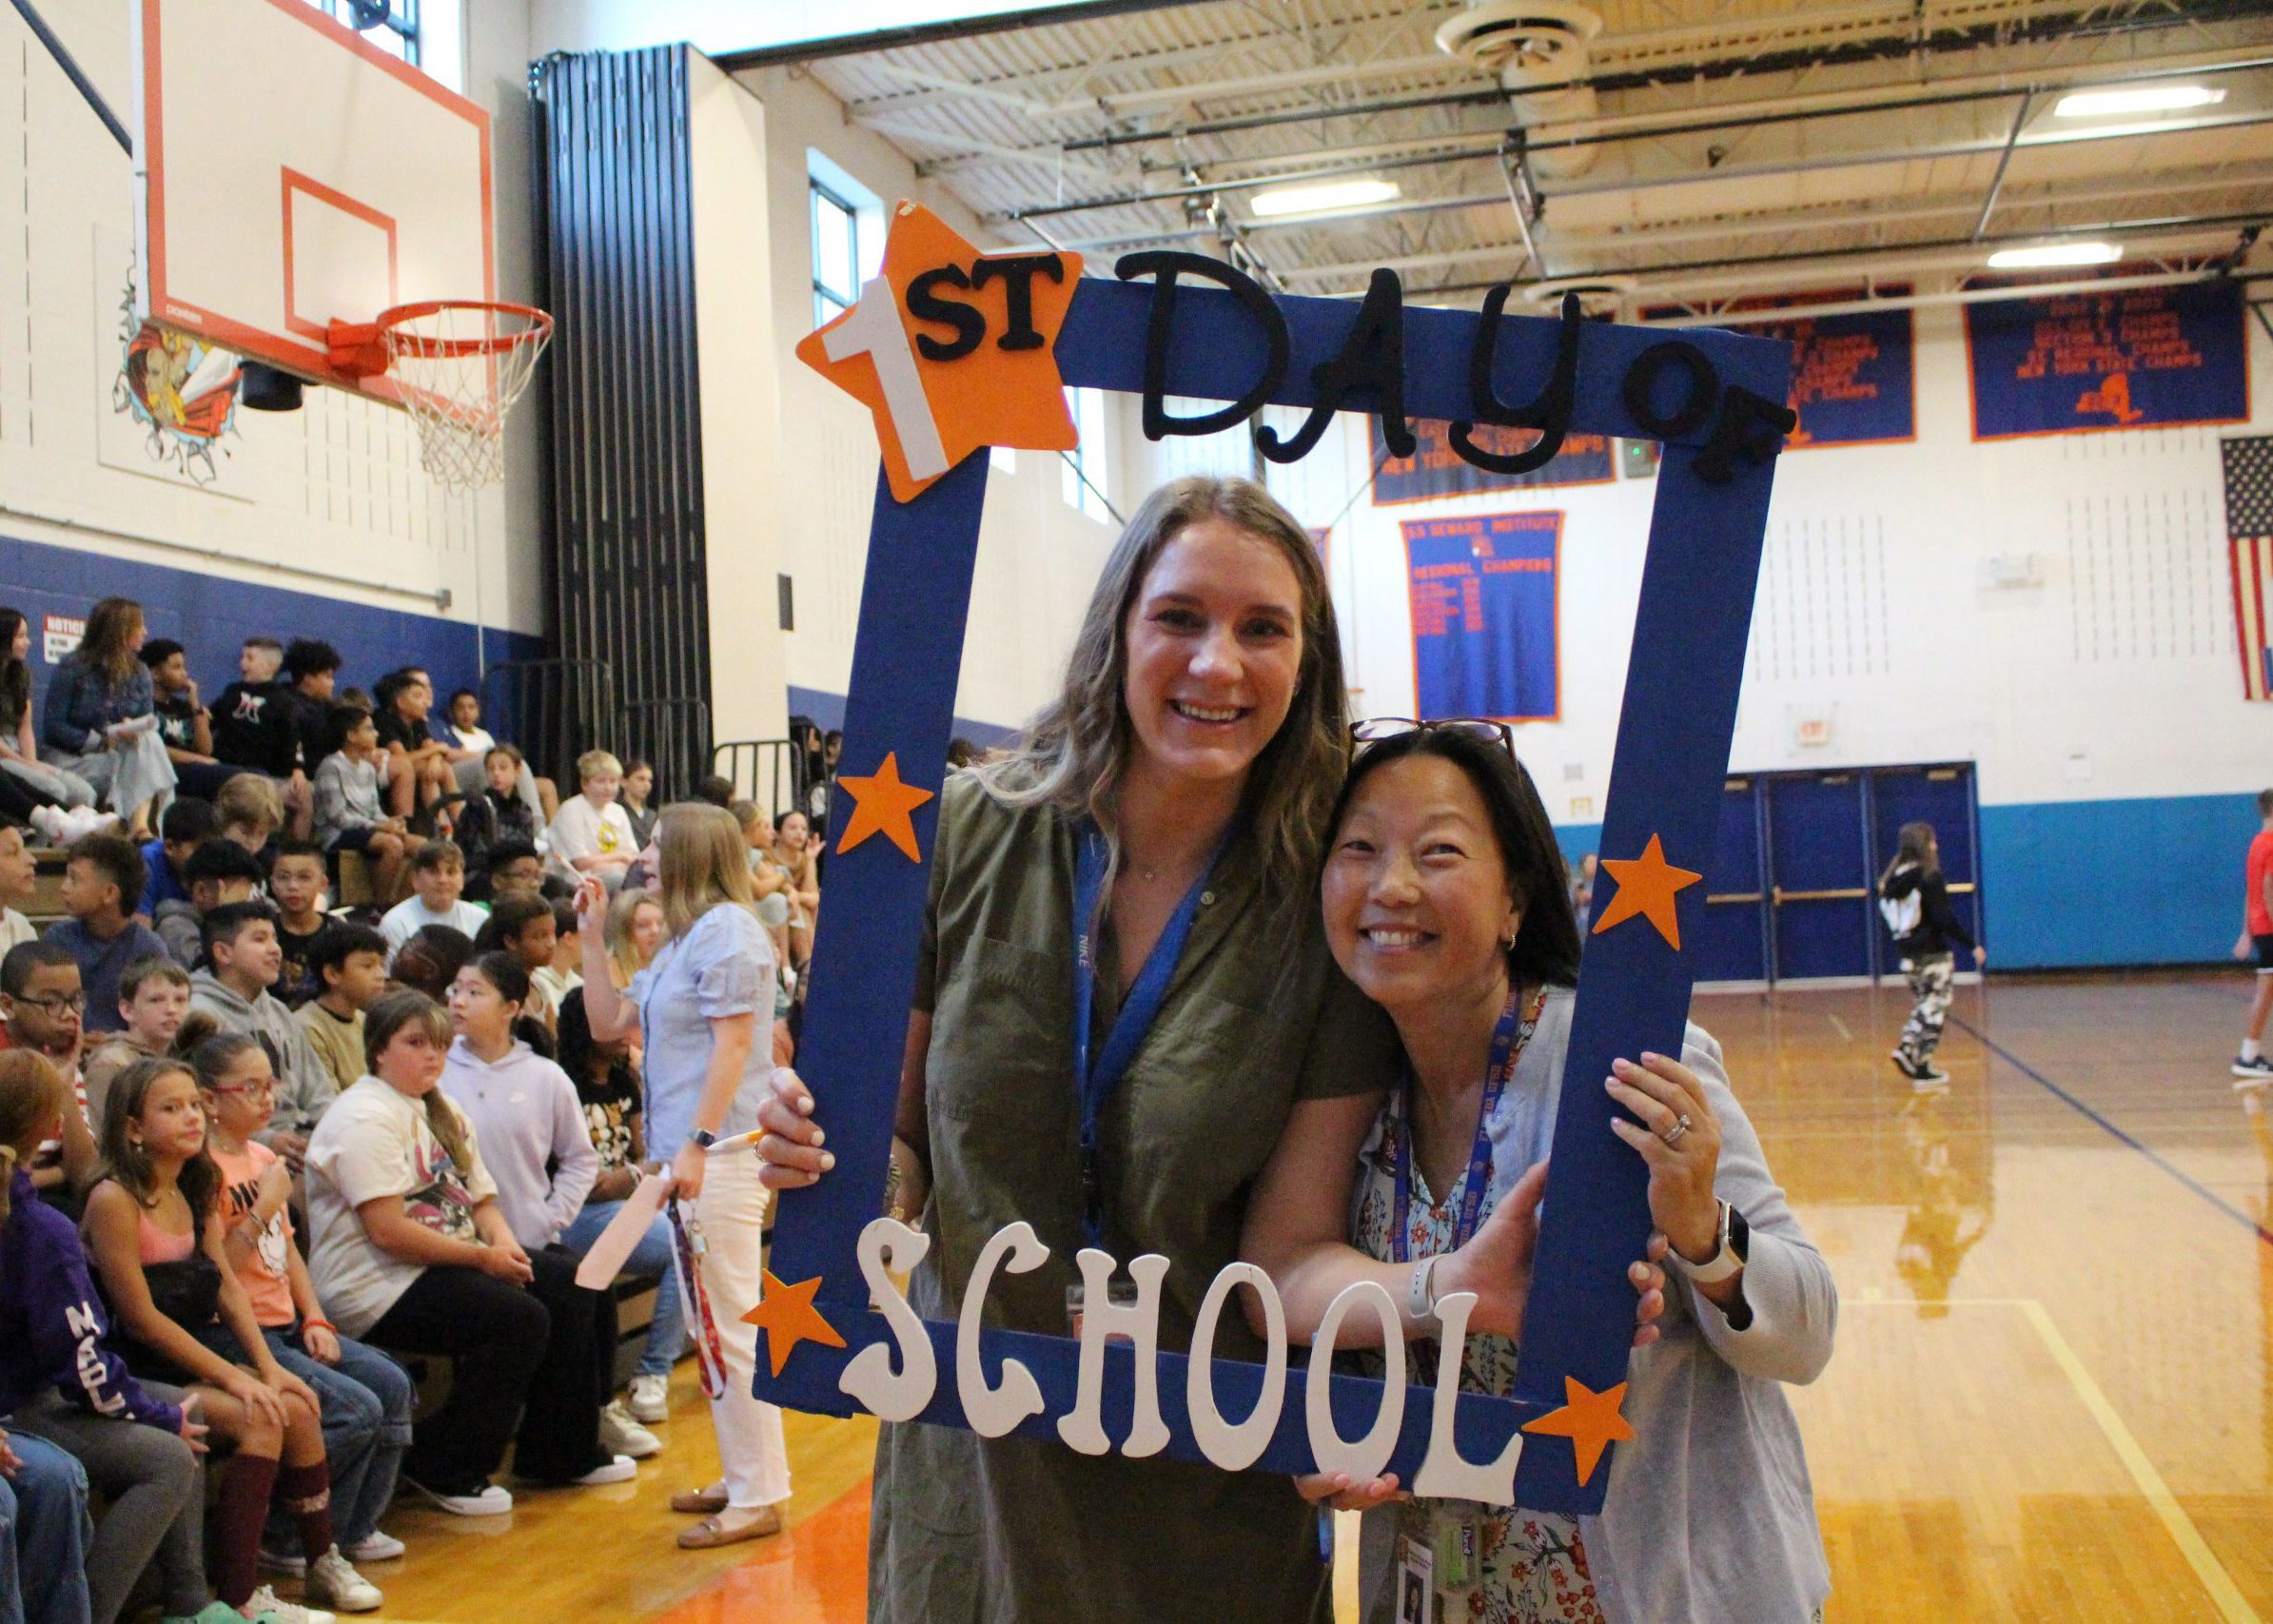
932,412
1647,886
1591,1420
787,1316
882,804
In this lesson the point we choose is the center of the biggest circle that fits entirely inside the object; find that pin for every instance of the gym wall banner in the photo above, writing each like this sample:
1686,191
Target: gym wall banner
2136,357
1436,469
1483,593
1853,377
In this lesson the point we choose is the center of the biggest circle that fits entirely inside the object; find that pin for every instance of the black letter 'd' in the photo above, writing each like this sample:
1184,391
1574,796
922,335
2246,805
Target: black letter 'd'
1549,412
1168,266
1373,358
925,304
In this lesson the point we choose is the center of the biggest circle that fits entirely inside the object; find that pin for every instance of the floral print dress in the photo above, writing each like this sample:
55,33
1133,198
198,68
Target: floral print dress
1529,1566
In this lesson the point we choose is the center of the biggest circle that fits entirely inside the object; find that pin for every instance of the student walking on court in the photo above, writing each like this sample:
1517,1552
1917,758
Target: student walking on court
1915,900
2251,1068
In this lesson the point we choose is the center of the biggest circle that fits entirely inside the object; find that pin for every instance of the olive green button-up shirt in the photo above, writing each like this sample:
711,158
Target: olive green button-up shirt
1257,1017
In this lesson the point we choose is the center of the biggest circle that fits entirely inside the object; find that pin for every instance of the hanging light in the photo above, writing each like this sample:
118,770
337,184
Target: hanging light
2050,254
2137,99
1323,197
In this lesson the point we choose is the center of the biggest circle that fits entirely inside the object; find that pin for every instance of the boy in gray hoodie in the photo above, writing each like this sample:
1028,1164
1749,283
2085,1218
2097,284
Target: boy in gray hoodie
244,956
218,874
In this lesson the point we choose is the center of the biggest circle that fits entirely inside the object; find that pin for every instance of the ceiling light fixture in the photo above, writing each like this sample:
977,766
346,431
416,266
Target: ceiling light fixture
2140,99
2051,254
1323,197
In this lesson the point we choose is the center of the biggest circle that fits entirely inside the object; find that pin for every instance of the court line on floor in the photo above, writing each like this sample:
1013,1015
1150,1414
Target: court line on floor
2227,1595
2112,1128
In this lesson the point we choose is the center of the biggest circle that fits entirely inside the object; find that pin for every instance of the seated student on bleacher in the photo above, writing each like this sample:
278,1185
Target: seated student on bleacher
311,675
349,965
220,871
296,886
19,884
103,877
513,816
561,975
59,1380
253,813
637,798
19,752
510,868
187,823
470,747
590,836
153,999
154,1235
43,1006
257,724
523,927
348,814
608,1087
437,896
411,1252
183,723
365,1397
241,959
418,763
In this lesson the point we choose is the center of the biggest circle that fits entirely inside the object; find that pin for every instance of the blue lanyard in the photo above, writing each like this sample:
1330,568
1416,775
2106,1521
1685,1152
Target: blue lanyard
1508,1039
1098,1078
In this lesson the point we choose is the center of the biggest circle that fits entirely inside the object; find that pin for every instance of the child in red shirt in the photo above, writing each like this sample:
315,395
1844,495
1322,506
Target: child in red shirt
2251,1069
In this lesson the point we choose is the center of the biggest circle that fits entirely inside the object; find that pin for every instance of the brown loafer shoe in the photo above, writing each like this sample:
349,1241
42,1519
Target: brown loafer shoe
699,1502
710,1532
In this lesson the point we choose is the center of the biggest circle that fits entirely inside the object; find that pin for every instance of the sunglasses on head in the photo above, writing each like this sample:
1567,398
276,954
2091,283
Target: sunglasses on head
1377,729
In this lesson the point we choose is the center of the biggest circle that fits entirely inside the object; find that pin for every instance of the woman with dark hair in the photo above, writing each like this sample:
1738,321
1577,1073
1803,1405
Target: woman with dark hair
1914,901
1445,900
1133,879
19,753
636,797
100,720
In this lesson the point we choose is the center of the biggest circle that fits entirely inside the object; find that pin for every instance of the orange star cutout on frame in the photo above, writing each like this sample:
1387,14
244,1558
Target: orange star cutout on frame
1591,1420
952,349
788,1316
882,804
1646,885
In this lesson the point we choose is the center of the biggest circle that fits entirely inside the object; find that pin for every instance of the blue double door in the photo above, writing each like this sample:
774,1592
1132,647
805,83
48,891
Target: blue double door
1791,890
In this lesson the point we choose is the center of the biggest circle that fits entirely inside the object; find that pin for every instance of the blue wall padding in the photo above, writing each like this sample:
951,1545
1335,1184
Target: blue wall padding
211,617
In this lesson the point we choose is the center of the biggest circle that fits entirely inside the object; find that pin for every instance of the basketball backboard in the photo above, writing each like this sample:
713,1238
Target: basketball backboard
293,174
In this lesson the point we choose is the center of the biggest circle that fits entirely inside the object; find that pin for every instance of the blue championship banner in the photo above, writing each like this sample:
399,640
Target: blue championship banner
1853,377
1483,593
2135,357
1435,469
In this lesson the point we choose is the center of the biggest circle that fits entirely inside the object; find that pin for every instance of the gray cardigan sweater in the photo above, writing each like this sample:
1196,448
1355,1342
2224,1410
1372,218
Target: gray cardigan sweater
1710,1515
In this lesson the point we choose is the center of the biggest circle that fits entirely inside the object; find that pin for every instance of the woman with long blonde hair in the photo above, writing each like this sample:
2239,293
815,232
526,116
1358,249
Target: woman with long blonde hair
1125,998
704,1007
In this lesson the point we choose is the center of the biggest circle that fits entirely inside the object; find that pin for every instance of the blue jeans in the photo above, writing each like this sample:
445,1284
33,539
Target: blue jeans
365,1401
667,1335
44,1532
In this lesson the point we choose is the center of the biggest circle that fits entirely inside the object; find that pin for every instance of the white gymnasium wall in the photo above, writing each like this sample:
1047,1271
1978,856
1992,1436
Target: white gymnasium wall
1038,557
329,501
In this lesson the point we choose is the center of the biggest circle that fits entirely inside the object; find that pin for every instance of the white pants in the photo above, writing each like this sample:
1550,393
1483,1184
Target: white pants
752,1457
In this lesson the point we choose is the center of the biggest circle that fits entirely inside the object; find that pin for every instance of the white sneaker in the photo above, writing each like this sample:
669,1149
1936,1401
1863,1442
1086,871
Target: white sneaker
620,1435
488,1500
333,1580
618,1470
49,821
262,1607
650,1398
375,1547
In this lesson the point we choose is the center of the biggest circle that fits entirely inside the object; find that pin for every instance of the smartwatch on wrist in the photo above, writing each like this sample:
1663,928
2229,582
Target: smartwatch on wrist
1420,1292
1732,1241
702,1139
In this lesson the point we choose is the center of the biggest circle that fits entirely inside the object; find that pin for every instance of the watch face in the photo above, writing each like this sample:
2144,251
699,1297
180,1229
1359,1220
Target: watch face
1740,1236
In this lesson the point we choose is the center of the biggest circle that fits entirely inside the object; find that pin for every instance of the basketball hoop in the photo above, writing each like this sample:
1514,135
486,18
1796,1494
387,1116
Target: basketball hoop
459,365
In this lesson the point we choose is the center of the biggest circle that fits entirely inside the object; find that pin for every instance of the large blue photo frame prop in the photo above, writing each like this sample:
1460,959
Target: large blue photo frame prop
1712,399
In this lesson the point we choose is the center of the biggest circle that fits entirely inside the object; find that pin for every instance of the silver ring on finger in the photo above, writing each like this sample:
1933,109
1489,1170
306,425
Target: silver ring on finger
1672,1135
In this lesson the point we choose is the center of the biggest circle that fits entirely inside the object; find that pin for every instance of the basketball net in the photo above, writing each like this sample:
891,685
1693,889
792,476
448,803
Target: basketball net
459,365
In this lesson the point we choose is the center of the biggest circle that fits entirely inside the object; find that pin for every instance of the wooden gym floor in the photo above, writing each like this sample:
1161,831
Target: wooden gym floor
2052,1397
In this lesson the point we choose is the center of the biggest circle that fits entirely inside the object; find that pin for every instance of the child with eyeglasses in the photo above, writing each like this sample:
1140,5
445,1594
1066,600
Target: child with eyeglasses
363,1396
44,1006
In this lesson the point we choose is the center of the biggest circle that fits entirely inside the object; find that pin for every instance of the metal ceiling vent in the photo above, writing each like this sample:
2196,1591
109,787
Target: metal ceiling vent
1530,43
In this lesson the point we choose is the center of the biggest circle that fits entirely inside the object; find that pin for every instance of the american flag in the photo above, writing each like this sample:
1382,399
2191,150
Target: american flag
2249,536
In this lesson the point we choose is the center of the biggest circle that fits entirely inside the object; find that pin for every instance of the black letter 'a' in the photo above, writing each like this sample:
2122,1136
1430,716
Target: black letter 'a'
925,304
1549,412
1168,265
1372,358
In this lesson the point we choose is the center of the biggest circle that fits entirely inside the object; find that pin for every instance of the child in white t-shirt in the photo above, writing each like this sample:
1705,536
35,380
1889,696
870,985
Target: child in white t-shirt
437,897
591,835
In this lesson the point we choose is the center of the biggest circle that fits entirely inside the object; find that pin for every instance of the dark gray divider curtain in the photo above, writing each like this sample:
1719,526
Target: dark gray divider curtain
617,270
